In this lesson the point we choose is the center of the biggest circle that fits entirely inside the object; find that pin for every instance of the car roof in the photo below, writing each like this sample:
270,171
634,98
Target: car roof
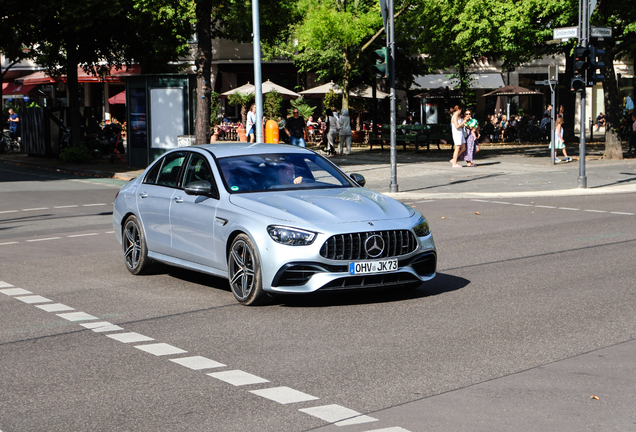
236,149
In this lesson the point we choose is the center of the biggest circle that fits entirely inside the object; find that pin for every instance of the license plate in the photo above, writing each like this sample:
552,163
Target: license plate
368,267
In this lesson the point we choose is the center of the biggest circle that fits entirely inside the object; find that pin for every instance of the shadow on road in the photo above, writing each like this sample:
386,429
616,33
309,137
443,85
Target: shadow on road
442,283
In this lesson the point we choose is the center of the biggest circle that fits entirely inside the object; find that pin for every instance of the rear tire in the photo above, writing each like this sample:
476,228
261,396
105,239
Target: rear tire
135,249
244,268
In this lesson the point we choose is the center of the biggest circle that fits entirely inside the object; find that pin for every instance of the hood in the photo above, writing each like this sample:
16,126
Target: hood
345,112
323,206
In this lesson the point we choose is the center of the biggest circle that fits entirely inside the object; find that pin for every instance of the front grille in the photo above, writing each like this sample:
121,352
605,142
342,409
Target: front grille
351,246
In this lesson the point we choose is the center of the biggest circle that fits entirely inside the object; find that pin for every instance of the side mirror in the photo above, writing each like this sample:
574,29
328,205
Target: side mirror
198,188
358,178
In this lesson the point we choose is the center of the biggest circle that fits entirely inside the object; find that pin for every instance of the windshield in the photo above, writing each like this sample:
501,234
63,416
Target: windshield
262,172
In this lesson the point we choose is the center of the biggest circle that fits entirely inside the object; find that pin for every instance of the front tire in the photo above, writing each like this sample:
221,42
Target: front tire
135,248
244,270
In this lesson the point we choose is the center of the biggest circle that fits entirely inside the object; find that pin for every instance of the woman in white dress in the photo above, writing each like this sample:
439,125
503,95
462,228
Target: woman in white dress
457,130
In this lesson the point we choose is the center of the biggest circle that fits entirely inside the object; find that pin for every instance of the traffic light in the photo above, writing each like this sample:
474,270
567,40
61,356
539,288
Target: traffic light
581,66
577,83
581,60
382,62
596,65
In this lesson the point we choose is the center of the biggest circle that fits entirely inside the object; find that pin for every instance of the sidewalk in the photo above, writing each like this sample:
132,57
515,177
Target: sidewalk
501,171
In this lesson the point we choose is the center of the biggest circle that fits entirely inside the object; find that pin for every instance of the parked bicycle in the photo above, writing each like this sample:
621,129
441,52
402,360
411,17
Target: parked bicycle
105,141
8,144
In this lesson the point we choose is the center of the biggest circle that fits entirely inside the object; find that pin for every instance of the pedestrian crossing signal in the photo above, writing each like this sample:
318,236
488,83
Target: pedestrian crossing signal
382,62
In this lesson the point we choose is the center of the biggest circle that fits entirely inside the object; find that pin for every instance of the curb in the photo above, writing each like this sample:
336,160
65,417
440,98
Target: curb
69,170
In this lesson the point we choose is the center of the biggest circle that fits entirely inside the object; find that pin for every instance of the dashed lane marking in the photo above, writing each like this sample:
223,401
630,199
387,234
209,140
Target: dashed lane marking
131,337
55,207
555,207
77,316
284,395
197,362
66,206
55,238
35,209
161,349
238,377
93,205
336,413
54,307
102,326
33,299
389,429
8,211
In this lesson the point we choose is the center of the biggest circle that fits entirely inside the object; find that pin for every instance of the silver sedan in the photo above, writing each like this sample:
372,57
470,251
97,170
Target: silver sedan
271,219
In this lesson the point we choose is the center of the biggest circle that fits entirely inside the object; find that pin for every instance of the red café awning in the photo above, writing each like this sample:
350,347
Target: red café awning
115,76
12,89
119,98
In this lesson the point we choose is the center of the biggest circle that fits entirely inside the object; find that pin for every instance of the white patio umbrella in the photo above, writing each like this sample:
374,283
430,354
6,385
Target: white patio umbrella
363,91
266,87
322,90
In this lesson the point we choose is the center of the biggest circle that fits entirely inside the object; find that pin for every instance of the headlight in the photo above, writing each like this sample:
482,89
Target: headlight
290,236
422,229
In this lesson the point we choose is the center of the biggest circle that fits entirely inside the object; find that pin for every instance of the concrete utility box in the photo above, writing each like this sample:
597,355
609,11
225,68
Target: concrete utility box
161,108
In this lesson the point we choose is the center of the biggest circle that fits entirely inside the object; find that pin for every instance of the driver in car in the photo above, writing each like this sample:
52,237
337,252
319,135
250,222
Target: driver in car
287,174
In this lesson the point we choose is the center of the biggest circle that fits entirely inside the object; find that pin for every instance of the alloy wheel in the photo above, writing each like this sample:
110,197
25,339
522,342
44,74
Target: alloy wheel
241,270
132,245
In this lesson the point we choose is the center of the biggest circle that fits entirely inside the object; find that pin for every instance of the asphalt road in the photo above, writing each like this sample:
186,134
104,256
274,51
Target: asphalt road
527,291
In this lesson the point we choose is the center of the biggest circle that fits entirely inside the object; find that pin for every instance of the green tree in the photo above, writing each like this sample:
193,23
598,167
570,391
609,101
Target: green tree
621,17
272,104
18,34
82,33
238,99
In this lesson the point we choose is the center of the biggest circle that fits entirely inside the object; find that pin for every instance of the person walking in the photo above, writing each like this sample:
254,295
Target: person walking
13,123
472,142
457,130
251,124
345,132
333,126
559,144
296,128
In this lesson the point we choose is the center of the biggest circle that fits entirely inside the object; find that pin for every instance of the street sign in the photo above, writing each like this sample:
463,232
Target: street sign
542,83
565,33
384,11
601,32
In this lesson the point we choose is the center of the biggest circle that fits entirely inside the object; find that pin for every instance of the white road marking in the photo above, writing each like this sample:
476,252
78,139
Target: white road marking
93,205
109,232
284,395
424,201
390,429
83,235
596,211
479,200
44,239
540,206
66,206
161,349
102,326
33,299
523,205
568,208
500,202
9,211
197,362
238,378
623,213
54,307
77,316
14,291
131,337
356,420
8,243
34,209
333,413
